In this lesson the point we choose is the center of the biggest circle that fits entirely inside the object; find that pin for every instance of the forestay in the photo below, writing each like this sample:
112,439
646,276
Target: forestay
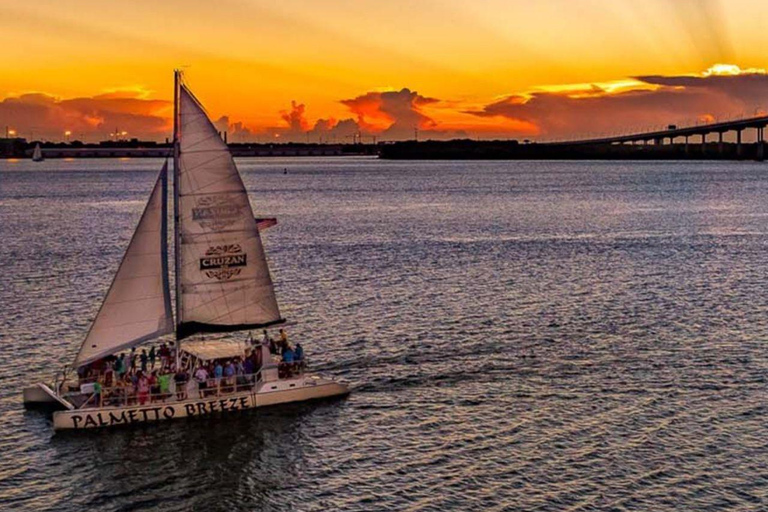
225,281
137,306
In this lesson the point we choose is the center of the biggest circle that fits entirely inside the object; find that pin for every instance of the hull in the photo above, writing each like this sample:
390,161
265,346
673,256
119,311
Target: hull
43,396
268,393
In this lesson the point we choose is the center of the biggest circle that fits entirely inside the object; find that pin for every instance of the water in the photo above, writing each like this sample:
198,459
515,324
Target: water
518,336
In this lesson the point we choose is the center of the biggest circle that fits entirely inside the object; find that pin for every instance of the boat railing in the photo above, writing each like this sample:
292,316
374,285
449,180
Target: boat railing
190,388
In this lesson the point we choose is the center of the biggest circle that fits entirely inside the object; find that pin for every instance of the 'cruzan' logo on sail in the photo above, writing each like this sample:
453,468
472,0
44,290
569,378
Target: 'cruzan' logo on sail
223,262
216,212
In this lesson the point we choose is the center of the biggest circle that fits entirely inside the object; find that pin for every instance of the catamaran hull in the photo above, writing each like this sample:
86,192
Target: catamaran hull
269,393
42,396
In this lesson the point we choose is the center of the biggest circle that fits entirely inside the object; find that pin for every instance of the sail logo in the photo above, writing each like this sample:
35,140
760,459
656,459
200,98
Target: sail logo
216,212
223,262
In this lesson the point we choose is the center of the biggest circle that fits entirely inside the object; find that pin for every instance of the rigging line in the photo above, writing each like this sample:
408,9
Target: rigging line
190,147
185,170
192,236
141,299
223,292
195,194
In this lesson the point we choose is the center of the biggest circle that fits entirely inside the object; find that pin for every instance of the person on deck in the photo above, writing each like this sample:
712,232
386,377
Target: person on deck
154,388
218,373
117,366
142,387
288,354
248,368
283,340
144,358
97,389
181,384
152,357
133,360
201,376
164,385
164,356
298,352
229,376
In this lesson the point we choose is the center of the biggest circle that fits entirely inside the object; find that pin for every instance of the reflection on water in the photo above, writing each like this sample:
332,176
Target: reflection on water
517,335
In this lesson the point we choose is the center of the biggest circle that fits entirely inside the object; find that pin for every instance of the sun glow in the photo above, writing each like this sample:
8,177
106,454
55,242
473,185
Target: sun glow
731,70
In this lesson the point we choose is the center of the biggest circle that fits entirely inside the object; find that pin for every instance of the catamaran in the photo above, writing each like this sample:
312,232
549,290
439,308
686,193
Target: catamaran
222,285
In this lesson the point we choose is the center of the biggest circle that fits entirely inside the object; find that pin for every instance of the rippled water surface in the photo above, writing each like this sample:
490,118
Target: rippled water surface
518,336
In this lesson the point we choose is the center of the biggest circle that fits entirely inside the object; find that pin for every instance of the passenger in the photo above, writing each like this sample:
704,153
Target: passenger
154,387
109,378
171,353
164,385
164,356
272,347
133,360
265,339
248,368
181,382
142,388
288,359
288,354
218,373
283,340
97,393
201,376
152,357
298,353
144,358
229,376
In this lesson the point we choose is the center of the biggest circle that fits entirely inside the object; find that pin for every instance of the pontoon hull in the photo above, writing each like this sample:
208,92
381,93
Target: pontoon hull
269,393
42,396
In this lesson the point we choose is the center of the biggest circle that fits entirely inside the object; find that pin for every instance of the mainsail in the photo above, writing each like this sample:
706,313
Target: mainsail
224,281
138,304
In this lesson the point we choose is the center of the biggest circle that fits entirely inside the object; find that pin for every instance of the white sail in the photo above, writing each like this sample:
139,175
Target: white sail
138,304
37,154
225,281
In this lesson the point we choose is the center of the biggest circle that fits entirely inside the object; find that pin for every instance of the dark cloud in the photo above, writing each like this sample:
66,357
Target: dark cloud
671,100
38,115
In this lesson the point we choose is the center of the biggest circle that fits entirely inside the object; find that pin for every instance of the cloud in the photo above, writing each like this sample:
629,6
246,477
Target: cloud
236,131
722,91
297,122
393,114
40,115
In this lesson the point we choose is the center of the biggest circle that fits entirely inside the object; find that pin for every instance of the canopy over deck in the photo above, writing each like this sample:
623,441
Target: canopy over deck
208,350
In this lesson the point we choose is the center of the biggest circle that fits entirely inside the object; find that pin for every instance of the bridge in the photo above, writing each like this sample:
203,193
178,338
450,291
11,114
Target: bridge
660,137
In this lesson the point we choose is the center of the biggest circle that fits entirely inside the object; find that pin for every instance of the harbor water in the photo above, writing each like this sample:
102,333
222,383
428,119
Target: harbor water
517,336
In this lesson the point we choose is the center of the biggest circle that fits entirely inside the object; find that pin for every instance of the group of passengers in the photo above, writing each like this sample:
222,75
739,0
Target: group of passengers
152,376
291,358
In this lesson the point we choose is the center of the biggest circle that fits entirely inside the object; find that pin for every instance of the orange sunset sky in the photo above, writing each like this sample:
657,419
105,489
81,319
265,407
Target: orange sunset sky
325,70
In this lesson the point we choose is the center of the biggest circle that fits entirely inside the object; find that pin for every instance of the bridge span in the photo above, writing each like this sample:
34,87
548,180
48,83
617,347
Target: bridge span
700,132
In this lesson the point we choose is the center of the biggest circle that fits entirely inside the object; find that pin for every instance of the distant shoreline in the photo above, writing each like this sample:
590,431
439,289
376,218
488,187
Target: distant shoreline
20,149
512,150
408,150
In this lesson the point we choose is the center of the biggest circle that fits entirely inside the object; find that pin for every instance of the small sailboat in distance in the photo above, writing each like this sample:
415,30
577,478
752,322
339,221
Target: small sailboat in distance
223,285
37,154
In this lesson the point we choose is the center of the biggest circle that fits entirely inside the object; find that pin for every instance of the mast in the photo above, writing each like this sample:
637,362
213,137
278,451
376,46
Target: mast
176,230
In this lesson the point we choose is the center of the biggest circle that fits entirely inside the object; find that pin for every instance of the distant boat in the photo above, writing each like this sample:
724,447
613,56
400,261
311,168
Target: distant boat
223,284
37,154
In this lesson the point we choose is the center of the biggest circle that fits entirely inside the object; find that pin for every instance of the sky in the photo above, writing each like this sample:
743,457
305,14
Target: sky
333,70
